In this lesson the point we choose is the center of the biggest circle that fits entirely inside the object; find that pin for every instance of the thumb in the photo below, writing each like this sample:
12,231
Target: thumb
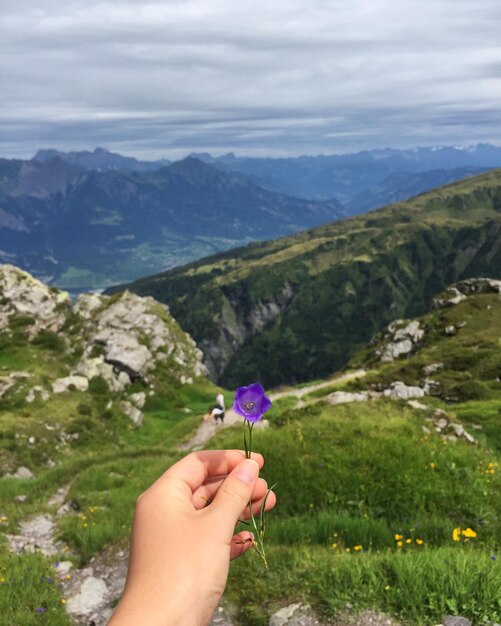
234,495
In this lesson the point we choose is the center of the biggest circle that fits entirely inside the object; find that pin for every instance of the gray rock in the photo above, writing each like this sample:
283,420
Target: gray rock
452,620
393,350
293,615
138,399
415,404
458,429
63,567
412,331
23,295
469,438
133,413
36,533
134,335
426,430
450,330
61,385
91,596
37,393
441,423
24,473
400,391
21,498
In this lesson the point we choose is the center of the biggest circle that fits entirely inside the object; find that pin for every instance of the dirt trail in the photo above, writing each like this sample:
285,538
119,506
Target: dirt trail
208,429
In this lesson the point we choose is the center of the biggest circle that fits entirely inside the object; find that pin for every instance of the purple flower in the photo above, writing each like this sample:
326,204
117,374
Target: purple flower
251,402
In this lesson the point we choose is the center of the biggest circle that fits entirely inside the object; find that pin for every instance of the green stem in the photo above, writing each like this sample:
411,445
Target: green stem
258,532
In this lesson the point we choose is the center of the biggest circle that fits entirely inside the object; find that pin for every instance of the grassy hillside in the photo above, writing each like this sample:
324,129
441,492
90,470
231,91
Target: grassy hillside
370,495
297,308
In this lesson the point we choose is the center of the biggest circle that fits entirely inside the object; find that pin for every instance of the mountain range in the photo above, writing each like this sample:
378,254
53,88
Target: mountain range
353,178
297,308
88,229
87,220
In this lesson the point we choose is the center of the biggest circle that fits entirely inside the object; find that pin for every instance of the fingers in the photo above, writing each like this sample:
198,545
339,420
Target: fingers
197,467
206,492
240,543
233,495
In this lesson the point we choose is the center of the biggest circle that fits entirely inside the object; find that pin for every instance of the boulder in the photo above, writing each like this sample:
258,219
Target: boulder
24,473
92,595
80,383
400,391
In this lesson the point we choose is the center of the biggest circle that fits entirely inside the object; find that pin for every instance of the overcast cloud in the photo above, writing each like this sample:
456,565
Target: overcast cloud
277,77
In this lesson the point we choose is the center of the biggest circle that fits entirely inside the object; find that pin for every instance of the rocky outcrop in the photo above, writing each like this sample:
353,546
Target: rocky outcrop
119,339
401,339
460,291
23,296
133,335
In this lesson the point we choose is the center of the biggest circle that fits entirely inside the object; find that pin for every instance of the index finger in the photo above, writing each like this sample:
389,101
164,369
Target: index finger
197,467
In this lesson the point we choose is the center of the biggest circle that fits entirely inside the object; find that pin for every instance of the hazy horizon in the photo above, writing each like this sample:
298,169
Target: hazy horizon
239,154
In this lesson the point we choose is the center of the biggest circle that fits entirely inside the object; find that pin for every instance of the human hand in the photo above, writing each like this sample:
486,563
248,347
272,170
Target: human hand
183,538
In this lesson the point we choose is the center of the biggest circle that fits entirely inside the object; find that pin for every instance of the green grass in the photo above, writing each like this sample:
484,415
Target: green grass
361,478
29,593
420,586
372,459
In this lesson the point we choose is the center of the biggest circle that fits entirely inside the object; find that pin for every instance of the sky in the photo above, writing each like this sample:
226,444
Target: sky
274,77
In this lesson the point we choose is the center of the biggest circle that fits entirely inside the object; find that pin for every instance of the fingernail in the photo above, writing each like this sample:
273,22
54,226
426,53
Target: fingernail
247,471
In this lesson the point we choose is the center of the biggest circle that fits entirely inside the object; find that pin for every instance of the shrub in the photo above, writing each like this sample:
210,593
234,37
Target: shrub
470,390
50,341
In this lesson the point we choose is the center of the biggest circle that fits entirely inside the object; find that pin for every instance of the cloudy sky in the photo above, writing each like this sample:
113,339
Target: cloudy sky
274,77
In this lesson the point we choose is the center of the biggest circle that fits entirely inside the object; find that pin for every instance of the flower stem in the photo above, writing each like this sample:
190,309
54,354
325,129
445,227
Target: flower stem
258,531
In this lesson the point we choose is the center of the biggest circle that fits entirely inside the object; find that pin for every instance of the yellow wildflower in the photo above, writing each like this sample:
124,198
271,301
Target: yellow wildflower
63,601
419,542
357,548
398,537
399,544
469,533
408,541
387,588
433,466
334,545
348,550
456,534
